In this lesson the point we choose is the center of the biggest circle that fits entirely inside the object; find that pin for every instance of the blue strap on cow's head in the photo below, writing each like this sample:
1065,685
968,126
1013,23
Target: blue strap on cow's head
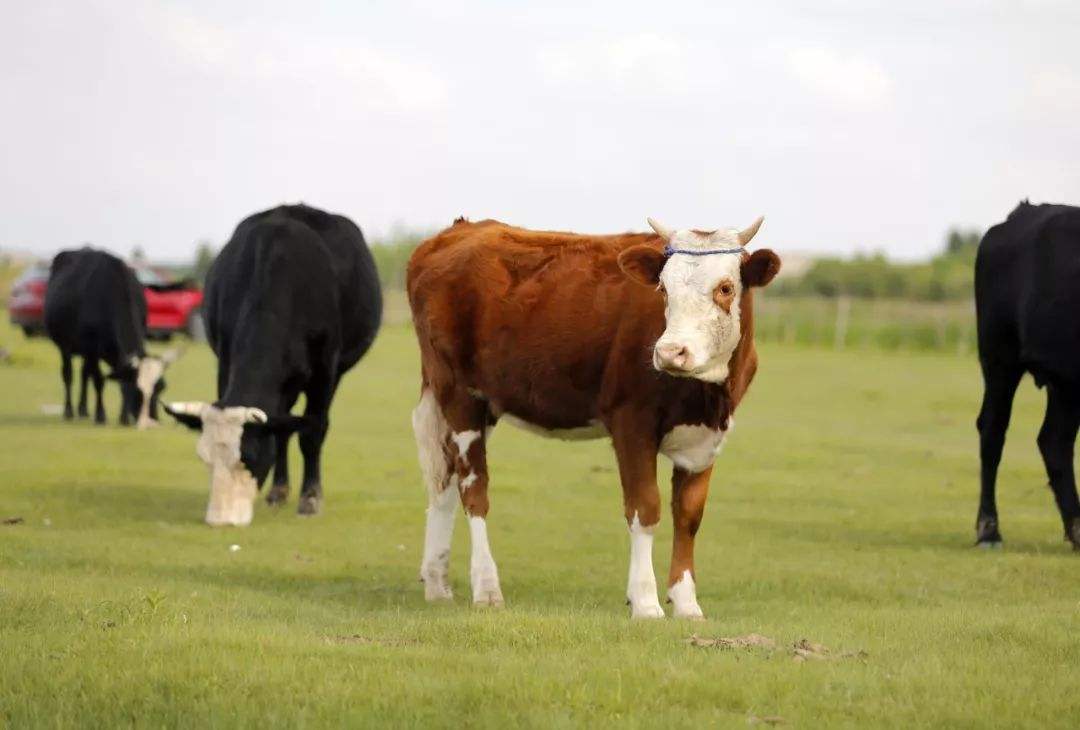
669,251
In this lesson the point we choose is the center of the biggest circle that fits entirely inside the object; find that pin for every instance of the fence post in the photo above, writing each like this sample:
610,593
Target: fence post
843,313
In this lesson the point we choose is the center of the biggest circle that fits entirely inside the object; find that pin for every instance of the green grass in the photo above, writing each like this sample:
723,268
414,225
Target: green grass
842,512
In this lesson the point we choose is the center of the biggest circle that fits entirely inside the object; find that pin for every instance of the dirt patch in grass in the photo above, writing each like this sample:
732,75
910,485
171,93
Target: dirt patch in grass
750,641
801,651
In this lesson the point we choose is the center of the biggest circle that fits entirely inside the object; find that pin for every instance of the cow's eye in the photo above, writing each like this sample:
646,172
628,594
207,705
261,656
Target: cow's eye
726,289
663,292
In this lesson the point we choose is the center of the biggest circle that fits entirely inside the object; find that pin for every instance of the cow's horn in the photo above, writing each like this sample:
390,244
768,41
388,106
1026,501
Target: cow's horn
747,233
187,408
255,415
664,233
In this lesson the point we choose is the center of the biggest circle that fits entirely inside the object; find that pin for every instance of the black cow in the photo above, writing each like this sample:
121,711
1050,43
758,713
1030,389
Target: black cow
1027,299
95,308
291,303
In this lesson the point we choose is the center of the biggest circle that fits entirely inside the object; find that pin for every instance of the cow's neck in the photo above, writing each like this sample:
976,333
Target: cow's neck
686,401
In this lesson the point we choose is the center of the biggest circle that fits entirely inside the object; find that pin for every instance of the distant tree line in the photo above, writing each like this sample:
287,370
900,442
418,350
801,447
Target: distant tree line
948,276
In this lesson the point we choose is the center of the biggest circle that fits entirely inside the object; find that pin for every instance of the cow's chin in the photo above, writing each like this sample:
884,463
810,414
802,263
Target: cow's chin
232,497
713,373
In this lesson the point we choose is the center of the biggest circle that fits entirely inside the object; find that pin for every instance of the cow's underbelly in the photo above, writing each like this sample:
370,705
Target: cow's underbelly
693,448
592,430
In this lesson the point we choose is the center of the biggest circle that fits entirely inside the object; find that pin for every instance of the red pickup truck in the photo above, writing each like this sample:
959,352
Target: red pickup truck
171,305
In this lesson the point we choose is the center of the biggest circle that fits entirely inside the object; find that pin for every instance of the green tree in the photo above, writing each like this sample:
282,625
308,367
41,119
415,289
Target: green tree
204,257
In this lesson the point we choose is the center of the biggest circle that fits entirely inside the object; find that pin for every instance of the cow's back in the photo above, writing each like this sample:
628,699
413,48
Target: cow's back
512,313
1027,292
94,306
294,275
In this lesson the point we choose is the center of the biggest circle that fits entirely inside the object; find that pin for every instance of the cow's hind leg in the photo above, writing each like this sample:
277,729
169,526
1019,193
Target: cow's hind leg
99,387
1057,438
432,439
993,422
468,457
65,373
84,377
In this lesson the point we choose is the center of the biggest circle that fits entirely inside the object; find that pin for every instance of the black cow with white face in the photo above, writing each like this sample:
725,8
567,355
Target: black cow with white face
95,308
291,303
1027,299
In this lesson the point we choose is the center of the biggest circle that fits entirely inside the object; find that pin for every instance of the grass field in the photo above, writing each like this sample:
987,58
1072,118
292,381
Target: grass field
842,512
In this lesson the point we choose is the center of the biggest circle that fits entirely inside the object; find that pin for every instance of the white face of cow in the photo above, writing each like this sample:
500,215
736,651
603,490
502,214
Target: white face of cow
149,370
702,277
702,295
232,486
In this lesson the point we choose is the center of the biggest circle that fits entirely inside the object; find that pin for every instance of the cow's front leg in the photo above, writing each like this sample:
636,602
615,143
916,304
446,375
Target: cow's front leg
636,453
688,494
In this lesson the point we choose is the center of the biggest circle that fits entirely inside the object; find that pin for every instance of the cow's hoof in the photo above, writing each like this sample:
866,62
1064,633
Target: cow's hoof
987,534
488,599
436,591
308,506
646,610
277,495
691,612
1072,533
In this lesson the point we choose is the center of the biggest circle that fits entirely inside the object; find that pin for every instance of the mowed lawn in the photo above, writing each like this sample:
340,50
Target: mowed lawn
842,512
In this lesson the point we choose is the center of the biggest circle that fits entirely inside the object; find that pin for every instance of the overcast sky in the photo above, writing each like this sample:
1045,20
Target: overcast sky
850,124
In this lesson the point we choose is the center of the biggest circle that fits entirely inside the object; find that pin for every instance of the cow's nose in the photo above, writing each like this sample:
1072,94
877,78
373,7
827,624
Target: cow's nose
673,356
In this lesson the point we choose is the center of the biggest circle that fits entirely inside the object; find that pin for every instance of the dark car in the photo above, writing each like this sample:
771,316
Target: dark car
173,305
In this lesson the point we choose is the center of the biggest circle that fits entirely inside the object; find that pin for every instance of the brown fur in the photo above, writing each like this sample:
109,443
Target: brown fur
547,327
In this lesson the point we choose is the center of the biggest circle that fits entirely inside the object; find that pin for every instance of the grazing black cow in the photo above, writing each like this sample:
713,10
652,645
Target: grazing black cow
1027,299
291,303
95,308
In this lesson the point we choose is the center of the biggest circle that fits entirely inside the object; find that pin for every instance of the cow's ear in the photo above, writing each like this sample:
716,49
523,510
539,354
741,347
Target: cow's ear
643,264
186,414
760,268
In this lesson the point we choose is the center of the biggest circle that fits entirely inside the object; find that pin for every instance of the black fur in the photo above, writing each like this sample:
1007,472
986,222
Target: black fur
1027,300
292,302
95,308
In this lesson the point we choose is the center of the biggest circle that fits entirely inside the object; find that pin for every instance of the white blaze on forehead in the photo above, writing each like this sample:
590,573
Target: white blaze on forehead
694,319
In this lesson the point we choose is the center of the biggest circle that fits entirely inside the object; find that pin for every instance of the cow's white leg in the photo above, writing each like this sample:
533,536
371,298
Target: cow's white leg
431,431
484,574
435,568
641,585
683,597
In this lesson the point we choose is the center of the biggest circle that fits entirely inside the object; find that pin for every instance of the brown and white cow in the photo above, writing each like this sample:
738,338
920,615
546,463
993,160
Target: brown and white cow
646,338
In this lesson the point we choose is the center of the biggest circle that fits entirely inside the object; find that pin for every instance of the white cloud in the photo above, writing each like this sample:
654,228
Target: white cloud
1056,88
848,79
640,60
381,80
